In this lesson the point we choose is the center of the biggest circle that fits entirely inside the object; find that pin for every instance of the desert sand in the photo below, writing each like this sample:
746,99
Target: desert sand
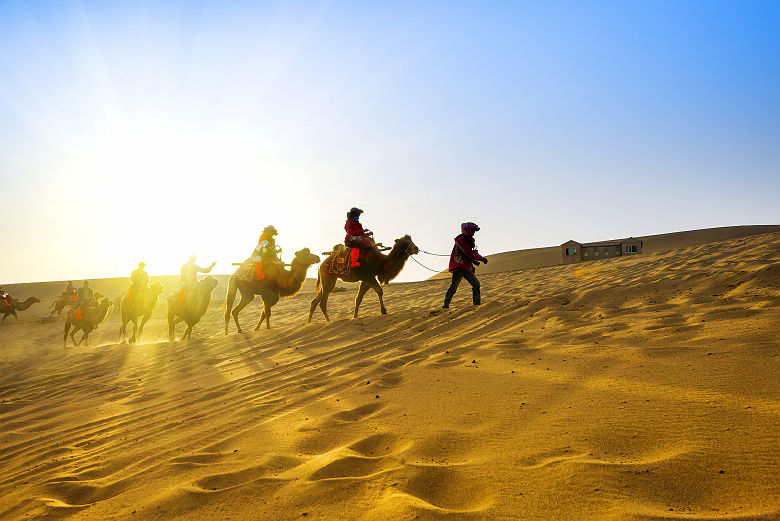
551,255
642,387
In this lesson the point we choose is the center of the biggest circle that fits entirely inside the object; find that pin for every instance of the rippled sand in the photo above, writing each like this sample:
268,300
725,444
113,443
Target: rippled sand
632,388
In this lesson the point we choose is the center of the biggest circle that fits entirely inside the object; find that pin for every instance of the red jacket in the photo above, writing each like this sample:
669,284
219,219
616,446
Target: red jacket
353,228
464,253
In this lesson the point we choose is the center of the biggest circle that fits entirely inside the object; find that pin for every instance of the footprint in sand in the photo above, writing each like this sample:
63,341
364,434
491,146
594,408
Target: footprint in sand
269,469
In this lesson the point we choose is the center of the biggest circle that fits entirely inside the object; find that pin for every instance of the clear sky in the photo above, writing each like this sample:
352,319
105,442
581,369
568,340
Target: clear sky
151,130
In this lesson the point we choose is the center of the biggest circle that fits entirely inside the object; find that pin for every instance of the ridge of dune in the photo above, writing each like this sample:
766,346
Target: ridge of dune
551,255
639,387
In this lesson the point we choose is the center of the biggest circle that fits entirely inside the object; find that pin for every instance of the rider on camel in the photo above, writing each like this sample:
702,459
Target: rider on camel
356,236
463,258
70,291
189,276
265,251
85,298
139,281
5,297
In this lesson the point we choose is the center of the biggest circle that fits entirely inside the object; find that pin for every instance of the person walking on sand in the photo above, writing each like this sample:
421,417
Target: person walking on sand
463,258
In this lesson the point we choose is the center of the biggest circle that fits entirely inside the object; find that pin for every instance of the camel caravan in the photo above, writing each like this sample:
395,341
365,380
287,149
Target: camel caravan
359,259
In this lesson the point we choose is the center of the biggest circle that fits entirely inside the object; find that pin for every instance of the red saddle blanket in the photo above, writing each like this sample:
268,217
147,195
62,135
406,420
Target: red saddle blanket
341,261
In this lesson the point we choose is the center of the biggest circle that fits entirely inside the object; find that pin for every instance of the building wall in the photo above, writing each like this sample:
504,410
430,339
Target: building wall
631,244
571,252
600,252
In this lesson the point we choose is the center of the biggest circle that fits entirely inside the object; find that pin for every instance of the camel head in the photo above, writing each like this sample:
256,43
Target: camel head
405,245
209,283
33,300
156,288
306,257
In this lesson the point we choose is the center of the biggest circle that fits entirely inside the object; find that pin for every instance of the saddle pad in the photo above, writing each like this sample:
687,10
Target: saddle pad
341,262
247,271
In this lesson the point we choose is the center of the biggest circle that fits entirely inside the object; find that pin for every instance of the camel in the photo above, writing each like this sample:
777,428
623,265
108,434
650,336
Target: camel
142,306
280,283
13,305
60,303
373,266
89,320
192,309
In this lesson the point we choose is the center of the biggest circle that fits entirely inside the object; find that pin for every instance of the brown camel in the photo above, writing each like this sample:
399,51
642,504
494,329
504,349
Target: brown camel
375,265
192,309
61,302
279,283
90,318
142,306
10,306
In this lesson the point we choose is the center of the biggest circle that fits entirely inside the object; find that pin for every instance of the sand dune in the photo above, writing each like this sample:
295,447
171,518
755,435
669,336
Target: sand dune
551,255
630,388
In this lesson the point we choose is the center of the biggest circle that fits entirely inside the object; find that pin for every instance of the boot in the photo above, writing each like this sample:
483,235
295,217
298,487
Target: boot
477,297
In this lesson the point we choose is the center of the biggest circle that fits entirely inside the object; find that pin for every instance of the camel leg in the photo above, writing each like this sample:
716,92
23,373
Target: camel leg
65,336
262,317
187,333
327,286
135,330
364,287
144,320
380,292
73,336
245,300
123,331
171,326
15,315
314,303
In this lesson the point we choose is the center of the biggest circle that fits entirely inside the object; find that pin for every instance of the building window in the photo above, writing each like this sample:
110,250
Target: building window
571,251
606,252
631,248
584,254
595,253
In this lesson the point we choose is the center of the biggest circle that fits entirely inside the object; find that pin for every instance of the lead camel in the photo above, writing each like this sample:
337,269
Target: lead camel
374,268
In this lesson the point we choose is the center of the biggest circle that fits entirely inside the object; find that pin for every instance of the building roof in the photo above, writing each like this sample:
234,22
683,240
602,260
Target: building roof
618,242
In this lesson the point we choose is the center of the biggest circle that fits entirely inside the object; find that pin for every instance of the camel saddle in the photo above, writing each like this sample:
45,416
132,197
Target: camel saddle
247,271
341,261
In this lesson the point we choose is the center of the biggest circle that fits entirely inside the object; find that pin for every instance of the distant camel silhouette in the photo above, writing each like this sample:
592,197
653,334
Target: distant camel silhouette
374,266
14,305
60,303
192,309
278,283
142,306
89,320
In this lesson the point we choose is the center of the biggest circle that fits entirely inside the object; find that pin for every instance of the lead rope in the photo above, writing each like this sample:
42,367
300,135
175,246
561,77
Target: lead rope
435,254
424,266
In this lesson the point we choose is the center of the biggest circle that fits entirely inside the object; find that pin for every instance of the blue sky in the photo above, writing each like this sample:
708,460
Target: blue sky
149,130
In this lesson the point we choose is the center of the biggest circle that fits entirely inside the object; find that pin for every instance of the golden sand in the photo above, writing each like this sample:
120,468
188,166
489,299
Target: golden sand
632,388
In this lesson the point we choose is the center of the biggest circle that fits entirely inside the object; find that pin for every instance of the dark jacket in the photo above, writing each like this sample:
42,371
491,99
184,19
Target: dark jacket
464,253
